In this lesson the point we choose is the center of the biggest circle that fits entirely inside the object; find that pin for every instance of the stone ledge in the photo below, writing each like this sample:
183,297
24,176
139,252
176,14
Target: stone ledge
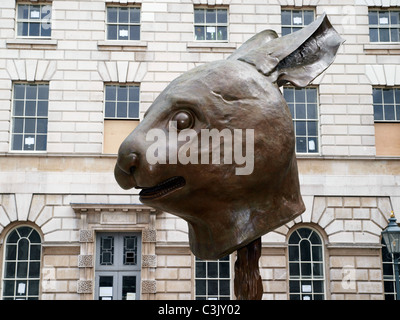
32,43
113,45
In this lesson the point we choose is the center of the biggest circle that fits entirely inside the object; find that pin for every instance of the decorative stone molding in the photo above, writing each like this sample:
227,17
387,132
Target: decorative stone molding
149,286
31,70
299,3
149,235
149,261
122,71
86,236
85,261
84,286
388,75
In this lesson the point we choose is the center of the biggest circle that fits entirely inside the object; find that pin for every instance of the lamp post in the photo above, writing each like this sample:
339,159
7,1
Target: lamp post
391,236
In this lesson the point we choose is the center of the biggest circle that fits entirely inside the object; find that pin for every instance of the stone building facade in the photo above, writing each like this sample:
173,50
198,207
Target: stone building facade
65,223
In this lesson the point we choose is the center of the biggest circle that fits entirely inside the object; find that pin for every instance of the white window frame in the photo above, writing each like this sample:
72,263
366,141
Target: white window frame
211,25
380,26
35,134
128,24
46,20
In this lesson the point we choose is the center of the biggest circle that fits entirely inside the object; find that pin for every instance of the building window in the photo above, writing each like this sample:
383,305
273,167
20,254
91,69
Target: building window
294,20
29,117
123,23
306,265
303,104
118,266
384,25
121,114
34,20
211,24
122,102
21,275
386,103
388,274
213,279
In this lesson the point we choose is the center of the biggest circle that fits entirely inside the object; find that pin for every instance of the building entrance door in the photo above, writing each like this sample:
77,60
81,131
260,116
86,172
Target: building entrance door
118,265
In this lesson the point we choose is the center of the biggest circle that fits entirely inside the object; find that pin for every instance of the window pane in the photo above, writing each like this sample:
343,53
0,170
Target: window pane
33,288
34,29
389,112
305,250
29,142
312,128
34,269
133,110
123,32
112,32
308,17
30,125
300,111
388,96
224,271
41,125
378,112
134,14
122,110
22,269
212,269
134,93
112,14
199,16
384,35
384,18
373,35
301,128
18,125
286,17
200,287
9,286
377,95
293,253
128,286
222,16
224,287
11,252
373,17
42,108
212,287
288,94
111,93
130,250
106,250
394,34
35,252
10,270
134,33
300,95
41,142
200,269
45,30
211,16
312,144
123,15
17,142
30,108
23,11
23,248
199,32
110,110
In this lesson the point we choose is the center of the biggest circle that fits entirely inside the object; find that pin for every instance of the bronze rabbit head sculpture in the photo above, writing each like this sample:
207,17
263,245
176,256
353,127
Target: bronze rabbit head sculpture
228,205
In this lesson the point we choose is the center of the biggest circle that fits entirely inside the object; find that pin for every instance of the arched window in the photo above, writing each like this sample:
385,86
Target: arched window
306,265
21,271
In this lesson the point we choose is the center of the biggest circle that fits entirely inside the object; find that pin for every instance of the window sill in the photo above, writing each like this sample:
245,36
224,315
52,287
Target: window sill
382,48
31,43
111,45
202,46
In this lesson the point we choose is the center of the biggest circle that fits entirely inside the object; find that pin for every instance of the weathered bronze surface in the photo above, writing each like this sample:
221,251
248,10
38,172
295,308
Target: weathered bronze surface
226,211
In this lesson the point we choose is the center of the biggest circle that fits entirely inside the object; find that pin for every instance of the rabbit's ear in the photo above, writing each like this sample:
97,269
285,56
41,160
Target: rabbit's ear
297,58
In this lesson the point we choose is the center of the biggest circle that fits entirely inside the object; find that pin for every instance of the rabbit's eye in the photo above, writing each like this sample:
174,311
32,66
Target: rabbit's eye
183,119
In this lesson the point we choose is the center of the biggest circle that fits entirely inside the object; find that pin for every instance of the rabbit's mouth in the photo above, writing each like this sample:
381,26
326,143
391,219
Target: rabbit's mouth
162,189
